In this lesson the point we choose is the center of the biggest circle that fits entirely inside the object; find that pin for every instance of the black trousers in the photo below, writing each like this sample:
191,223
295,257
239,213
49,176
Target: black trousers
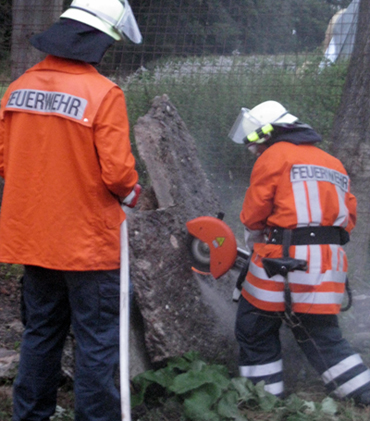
318,335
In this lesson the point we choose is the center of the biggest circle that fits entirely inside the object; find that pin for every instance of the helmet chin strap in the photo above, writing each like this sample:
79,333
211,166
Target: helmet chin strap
257,149
252,148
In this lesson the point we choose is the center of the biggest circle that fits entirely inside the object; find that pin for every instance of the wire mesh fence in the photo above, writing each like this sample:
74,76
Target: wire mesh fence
212,58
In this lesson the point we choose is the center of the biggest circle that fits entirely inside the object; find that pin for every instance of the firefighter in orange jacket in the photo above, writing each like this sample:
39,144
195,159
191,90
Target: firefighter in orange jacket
299,206
66,159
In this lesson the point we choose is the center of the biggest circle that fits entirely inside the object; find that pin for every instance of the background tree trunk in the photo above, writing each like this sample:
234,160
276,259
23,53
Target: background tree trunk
351,141
30,17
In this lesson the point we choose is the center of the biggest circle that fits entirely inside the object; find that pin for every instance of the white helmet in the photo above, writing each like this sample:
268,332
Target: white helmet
113,17
255,125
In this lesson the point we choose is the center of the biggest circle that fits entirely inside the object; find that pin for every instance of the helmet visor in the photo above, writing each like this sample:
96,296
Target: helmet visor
243,126
127,25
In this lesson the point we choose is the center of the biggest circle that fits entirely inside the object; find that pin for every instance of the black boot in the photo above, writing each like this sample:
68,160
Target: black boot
363,399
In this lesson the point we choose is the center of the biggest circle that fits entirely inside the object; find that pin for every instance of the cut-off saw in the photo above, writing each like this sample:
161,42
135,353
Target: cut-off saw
214,251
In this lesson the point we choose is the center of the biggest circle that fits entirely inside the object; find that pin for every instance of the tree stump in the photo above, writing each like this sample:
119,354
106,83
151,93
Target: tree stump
181,310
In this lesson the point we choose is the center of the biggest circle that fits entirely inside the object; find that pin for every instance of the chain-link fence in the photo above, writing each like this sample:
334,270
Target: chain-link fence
214,57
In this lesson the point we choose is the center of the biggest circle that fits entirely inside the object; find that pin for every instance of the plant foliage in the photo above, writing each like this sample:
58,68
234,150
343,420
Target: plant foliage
206,392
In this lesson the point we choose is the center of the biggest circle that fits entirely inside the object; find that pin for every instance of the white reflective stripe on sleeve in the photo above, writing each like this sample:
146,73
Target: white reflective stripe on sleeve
353,384
275,388
314,200
301,205
317,298
342,218
264,295
333,372
261,370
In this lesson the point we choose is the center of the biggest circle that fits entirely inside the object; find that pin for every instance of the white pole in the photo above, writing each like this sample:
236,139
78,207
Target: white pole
124,325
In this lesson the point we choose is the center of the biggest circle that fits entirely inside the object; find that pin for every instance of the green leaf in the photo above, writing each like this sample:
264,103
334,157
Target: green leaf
198,406
265,400
298,417
228,405
244,387
191,380
164,377
294,403
329,406
139,397
309,407
183,363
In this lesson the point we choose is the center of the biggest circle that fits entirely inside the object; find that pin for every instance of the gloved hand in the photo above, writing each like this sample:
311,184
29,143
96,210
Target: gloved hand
131,199
253,236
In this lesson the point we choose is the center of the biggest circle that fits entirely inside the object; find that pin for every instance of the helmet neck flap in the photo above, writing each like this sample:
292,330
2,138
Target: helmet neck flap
73,40
297,133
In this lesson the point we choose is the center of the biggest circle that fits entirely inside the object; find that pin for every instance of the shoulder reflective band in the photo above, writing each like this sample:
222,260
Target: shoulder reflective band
260,133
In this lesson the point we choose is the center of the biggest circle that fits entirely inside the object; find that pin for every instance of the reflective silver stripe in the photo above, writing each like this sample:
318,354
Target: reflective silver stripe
275,388
334,256
342,218
317,298
301,205
299,173
314,200
297,298
301,252
314,276
315,259
353,384
333,372
318,278
341,259
311,175
304,278
261,370
47,102
264,295
298,278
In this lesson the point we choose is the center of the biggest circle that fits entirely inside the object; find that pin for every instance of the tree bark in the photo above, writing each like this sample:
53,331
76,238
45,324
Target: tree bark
30,17
351,141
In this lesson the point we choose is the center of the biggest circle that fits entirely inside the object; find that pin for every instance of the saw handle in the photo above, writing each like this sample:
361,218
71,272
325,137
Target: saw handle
282,266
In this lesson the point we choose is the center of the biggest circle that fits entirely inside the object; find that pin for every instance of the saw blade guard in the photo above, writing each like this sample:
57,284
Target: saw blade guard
214,244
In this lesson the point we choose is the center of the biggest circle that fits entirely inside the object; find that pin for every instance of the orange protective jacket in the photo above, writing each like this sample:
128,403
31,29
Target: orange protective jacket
297,186
66,158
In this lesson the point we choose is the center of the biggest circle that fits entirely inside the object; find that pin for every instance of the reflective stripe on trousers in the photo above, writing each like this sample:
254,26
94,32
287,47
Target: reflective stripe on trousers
271,374
319,337
347,376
